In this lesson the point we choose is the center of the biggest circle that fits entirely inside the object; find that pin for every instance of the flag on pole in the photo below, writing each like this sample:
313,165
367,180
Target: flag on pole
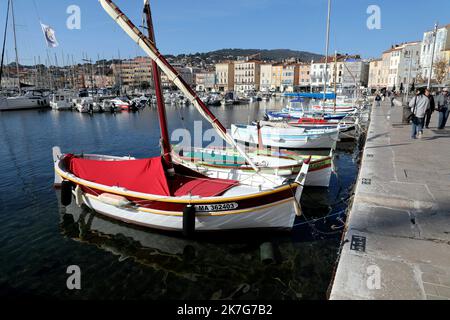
49,35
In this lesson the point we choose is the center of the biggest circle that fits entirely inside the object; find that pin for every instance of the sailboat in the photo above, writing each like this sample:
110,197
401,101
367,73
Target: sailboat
158,193
32,99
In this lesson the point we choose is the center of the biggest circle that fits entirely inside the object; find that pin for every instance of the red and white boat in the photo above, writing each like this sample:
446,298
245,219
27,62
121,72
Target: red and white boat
158,193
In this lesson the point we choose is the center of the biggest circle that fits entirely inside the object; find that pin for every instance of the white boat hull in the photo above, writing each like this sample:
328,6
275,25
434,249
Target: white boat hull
291,138
21,103
281,216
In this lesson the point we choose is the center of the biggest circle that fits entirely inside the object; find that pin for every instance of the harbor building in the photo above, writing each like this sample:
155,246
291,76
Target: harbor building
224,76
277,72
289,77
403,57
426,51
205,81
304,80
355,74
266,77
247,75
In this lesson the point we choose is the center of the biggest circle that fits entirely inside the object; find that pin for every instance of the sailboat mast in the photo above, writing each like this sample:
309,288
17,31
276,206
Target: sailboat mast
124,22
15,47
4,44
326,50
335,78
165,142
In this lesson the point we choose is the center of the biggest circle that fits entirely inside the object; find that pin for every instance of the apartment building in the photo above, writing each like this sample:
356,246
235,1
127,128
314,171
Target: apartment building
247,75
277,73
289,77
317,73
205,81
266,77
355,73
375,78
224,76
304,80
132,72
426,51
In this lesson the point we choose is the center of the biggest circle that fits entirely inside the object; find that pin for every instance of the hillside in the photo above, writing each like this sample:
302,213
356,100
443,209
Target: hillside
274,54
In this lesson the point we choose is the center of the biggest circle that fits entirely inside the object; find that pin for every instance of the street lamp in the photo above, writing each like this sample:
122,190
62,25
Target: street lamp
432,54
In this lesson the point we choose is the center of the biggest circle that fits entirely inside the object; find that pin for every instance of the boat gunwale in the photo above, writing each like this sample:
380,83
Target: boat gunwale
170,199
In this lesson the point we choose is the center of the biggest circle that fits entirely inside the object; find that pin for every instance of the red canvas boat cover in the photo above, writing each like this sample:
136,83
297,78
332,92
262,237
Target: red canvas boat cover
146,176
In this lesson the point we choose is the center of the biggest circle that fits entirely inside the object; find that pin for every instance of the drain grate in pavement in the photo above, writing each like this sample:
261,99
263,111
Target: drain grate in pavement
358,243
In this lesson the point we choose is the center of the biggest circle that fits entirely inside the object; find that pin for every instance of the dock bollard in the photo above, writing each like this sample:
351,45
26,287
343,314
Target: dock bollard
188,220
267,254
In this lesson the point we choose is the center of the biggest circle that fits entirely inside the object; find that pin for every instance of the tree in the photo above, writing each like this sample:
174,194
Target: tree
440,70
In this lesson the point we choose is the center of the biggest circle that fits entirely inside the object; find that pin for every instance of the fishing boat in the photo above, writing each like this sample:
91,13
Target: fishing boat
310,123
282,135
158,193
287,115
226,163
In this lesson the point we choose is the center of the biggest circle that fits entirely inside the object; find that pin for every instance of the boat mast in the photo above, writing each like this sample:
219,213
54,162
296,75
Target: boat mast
326,51
335,78
4,44
124,22
15,47
165,142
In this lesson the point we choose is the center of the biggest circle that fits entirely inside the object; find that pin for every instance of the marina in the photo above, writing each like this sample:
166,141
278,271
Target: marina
157,260
234,174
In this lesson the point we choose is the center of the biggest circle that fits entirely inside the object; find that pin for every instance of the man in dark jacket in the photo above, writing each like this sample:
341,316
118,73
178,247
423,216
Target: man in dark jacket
443,101
431,110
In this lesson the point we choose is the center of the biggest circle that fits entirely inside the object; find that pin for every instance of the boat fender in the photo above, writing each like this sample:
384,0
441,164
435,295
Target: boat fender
66,193
267,254
78,196
188,220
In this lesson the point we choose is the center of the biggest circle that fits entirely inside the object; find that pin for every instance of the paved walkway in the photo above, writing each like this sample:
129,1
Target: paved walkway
401,210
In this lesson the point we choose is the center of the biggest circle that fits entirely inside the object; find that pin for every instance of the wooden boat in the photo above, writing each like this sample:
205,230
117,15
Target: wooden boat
282,135
309,123
158,193
228,164
281,115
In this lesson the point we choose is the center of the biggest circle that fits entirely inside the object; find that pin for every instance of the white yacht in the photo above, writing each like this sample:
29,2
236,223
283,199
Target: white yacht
32,99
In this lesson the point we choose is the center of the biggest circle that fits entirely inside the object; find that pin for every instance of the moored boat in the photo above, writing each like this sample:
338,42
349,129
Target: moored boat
158,193
284,136
228,164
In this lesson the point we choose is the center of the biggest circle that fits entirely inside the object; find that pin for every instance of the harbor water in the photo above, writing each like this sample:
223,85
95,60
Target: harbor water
39,239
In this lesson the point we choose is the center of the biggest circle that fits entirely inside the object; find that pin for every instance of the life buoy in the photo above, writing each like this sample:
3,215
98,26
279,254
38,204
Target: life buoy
188,220
66,193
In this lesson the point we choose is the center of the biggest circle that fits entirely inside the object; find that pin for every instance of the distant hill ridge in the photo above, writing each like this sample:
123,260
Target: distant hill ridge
265,54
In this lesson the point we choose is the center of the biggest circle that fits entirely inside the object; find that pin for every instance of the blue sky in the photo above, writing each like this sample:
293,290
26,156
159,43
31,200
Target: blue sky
187,26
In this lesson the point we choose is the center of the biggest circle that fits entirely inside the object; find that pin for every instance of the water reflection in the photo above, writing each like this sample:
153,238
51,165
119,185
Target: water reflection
224,266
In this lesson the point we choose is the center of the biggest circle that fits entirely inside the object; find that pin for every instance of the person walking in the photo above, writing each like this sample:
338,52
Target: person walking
442,102
392,96
419,106
378,100
431,109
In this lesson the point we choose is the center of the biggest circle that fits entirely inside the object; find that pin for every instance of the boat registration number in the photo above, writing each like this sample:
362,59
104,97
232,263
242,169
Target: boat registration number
216,207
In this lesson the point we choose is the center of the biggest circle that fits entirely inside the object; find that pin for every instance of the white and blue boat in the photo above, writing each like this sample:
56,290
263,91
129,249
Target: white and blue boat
282,135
